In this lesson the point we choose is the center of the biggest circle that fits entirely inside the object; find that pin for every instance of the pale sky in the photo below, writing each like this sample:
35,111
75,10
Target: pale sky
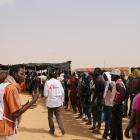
88,32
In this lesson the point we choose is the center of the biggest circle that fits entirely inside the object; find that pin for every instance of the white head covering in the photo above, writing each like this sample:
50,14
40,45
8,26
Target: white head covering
115,72
108,75
61,77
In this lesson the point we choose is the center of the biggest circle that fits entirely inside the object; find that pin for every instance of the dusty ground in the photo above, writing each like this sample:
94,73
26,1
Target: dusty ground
34,125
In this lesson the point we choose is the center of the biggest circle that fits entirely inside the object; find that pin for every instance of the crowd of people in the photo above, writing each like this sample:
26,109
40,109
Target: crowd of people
94,97
104,97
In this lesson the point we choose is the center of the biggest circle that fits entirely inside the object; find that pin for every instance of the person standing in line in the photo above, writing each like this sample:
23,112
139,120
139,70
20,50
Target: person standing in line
118,89
97,106
88,92
79,103
132,85
108,103
54,92
134,122
66,102
73,85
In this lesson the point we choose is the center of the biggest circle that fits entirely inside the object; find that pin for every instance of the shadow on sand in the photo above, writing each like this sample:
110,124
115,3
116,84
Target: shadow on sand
72,126
34,130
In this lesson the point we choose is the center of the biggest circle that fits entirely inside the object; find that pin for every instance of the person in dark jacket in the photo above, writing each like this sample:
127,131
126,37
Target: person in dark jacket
97,106
73,84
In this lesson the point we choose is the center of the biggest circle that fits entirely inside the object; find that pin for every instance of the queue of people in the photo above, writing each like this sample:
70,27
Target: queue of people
93,97
103,97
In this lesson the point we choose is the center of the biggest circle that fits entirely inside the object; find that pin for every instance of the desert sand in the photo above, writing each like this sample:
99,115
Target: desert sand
34,125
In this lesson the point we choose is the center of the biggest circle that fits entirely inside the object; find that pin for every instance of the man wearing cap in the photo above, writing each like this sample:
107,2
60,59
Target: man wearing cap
118,90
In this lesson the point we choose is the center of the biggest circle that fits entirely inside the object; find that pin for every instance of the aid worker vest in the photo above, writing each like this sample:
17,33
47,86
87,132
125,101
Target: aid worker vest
2,91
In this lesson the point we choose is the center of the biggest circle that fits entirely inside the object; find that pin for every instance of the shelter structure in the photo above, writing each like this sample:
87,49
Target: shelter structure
58,67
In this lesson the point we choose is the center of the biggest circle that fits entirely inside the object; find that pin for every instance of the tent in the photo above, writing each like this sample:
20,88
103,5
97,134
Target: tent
59,67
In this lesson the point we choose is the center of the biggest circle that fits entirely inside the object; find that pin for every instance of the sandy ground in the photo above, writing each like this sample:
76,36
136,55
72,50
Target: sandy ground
34,125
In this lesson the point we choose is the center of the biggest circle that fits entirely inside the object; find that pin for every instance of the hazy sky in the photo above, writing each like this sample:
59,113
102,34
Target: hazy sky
88,32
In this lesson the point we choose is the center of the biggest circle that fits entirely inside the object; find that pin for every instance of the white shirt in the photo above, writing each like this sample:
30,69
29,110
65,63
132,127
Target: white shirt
109,95
2,91
54,92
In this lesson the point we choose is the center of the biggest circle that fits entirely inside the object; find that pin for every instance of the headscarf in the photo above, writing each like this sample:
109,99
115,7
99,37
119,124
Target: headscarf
108,75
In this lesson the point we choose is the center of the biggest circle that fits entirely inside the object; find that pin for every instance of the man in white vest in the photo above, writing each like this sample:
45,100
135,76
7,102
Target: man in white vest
54,92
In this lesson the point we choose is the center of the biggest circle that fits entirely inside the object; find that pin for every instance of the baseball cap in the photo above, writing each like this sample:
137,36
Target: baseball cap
116,72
